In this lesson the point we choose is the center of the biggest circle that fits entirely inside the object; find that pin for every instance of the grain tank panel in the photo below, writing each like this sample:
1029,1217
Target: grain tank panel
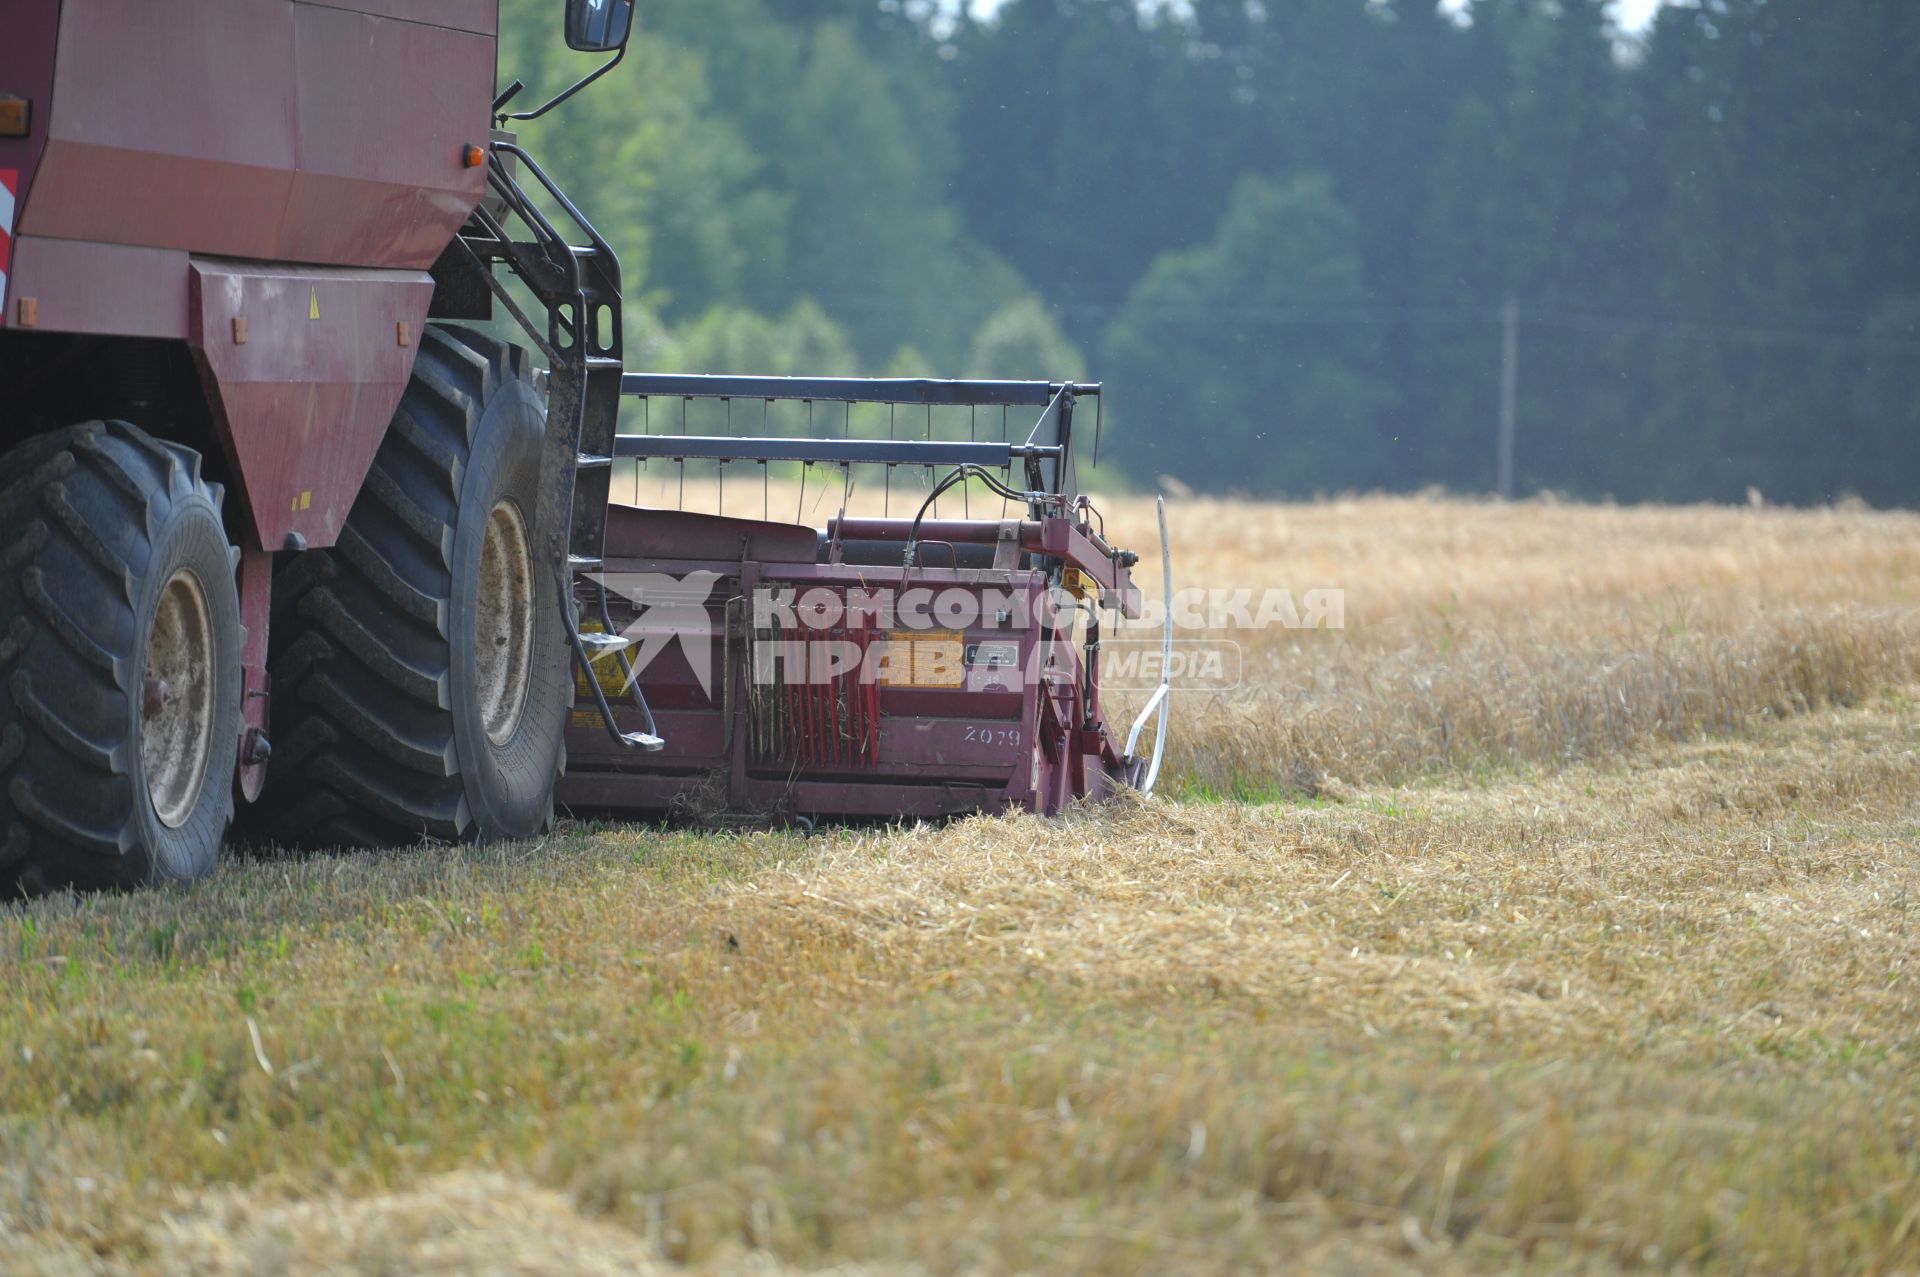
278,130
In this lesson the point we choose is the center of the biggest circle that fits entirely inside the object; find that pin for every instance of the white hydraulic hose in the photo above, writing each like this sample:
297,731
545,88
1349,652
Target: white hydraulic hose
1162,695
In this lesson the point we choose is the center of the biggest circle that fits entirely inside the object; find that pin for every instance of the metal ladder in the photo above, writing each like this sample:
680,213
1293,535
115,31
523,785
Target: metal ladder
579,284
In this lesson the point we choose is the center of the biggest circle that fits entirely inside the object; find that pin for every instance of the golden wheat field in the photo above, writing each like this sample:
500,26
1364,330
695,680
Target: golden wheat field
1557,914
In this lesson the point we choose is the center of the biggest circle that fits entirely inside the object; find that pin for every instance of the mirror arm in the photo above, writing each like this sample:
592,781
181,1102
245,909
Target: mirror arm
507,94
544,107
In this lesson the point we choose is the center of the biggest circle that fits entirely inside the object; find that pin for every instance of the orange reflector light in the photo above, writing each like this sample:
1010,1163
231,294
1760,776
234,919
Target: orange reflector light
16,115
473,156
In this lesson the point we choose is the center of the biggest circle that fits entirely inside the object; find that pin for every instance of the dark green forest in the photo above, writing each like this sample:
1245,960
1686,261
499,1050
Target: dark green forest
1284,232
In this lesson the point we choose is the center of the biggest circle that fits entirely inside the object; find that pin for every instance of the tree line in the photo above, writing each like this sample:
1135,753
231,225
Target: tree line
1284,232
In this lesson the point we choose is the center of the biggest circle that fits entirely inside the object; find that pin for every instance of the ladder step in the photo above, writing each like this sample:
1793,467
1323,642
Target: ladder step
582,563
588,461
599,644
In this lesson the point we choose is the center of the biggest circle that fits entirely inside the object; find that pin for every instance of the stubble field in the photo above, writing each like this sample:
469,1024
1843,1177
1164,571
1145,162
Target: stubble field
1556,914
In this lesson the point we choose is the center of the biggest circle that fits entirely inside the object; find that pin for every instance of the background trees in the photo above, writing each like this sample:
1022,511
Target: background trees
1283,230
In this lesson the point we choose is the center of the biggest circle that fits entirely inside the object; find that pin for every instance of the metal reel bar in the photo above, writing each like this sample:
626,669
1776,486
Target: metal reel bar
1043,460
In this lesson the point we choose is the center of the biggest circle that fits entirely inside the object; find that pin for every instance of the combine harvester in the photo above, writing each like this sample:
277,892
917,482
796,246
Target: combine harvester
275,537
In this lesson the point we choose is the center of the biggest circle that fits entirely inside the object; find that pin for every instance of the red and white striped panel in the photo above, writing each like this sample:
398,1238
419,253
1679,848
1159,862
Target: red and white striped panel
9,189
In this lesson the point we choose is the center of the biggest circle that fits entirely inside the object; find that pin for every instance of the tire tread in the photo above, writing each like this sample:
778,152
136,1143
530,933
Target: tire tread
365,751
77,527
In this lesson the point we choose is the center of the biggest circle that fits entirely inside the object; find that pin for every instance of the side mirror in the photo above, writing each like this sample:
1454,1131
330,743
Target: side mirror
598,26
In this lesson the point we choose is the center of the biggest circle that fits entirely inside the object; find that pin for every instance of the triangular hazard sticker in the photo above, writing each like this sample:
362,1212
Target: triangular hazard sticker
313,303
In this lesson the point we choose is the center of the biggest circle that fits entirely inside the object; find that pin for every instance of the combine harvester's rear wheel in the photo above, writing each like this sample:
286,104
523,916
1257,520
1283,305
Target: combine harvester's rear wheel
420,667
119,663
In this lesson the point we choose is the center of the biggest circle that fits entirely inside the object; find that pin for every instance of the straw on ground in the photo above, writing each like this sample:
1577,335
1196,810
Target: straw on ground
1497,982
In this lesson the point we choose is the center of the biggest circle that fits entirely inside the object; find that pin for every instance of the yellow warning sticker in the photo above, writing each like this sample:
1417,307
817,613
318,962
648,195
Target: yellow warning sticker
924,658
313,303
606,672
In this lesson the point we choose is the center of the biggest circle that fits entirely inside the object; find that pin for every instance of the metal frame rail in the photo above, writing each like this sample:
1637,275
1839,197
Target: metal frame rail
1046,454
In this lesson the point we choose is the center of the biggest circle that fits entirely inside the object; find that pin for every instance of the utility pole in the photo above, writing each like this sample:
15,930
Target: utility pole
1509,390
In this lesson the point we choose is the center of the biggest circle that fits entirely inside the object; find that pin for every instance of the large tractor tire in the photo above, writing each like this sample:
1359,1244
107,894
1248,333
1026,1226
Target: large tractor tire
420,667
119,663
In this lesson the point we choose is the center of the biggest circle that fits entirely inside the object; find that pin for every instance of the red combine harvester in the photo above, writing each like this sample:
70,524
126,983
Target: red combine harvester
282,531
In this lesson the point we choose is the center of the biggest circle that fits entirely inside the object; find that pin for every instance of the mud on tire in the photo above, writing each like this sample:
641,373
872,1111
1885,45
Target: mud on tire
96,522
403,705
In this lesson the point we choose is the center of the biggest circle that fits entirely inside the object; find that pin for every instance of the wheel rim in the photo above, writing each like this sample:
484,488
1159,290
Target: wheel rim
176,720
503,622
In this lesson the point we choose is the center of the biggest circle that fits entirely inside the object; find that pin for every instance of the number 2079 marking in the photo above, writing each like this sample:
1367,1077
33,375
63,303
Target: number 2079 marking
994,735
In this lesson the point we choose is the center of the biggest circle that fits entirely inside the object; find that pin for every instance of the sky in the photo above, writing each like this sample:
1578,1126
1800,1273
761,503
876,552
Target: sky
1631,14
1634,14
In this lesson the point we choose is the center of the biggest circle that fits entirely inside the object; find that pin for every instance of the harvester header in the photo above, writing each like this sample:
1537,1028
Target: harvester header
899,665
